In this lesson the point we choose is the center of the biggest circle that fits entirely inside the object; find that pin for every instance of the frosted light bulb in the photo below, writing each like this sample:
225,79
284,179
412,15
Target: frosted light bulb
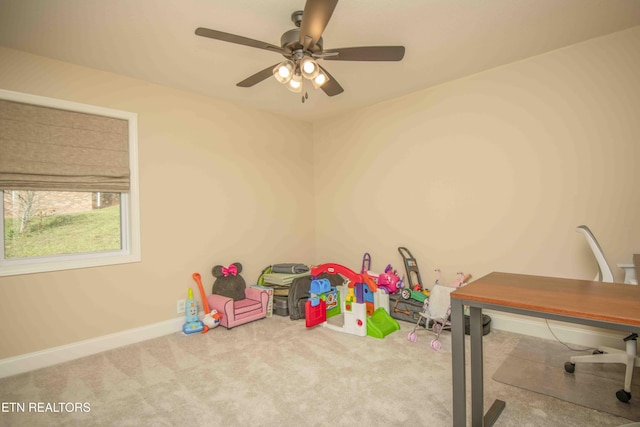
309,67
284,72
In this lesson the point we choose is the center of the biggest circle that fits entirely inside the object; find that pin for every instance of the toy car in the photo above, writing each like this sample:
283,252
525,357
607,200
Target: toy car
420,296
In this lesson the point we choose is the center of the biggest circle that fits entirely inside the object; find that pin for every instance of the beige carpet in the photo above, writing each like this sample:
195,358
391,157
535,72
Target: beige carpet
538,366
275,372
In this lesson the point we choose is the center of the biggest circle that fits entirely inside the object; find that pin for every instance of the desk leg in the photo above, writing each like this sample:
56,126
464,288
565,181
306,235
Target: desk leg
478,418
477,374
458,375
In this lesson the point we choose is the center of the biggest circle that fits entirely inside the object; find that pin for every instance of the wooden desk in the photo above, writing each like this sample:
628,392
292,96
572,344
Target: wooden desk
604,305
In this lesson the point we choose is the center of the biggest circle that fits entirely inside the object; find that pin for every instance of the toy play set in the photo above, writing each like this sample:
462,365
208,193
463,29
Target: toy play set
359,301
370,303
299,293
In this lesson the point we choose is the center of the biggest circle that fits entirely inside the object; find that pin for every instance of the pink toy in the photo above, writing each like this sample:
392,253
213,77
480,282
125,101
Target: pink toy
389,280
233,300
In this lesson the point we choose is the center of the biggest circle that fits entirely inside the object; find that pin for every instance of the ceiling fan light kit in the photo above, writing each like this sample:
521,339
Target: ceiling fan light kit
319,80
291,73
284,71
309,68
302,47
295,84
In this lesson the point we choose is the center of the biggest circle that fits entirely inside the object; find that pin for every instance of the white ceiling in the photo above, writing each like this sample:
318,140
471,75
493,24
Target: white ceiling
154,40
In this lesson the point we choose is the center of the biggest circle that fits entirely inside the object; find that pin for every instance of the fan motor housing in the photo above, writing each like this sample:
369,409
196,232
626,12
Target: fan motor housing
291,41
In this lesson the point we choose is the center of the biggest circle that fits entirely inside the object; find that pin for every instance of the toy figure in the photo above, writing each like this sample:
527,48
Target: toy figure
193,323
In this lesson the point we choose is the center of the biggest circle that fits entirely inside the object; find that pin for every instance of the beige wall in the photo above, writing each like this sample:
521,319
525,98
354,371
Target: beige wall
218,184
492,172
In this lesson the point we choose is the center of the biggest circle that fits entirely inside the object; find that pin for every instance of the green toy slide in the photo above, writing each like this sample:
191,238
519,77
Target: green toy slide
380,324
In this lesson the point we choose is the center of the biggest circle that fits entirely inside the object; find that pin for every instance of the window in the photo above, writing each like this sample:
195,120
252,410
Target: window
68,178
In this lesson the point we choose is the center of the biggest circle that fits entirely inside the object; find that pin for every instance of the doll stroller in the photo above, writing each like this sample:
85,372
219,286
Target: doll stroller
436,311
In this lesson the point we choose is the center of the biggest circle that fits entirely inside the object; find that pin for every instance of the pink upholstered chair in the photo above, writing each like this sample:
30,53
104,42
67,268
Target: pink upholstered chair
230,296
235,313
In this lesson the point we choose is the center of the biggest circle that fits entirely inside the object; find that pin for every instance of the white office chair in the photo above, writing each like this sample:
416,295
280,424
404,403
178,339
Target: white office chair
608,354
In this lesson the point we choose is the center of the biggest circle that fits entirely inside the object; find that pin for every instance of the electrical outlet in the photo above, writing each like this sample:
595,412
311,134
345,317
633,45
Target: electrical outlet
180,306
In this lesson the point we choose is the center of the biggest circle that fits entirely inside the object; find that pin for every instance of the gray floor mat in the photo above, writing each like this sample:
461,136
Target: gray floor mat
540,368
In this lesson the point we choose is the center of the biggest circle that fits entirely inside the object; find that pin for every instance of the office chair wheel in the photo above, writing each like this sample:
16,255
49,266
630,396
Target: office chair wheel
413,337
570,367
623,396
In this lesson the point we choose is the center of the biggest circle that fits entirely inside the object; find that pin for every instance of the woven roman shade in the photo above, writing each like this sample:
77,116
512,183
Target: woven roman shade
44,148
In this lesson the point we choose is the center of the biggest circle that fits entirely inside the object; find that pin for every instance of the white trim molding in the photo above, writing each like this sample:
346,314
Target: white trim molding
55,355
565,332
568,333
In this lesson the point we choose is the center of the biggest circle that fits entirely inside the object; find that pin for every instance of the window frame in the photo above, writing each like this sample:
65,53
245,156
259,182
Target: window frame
129,202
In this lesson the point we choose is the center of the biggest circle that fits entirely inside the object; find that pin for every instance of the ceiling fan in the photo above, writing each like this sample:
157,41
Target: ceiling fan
302,47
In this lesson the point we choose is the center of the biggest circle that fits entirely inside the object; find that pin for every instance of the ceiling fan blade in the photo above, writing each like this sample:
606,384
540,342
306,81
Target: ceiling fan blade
315,18
366,53
331,86
257,77
232,38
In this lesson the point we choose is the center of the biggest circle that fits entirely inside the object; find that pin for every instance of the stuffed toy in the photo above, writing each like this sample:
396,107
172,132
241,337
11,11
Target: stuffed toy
229,283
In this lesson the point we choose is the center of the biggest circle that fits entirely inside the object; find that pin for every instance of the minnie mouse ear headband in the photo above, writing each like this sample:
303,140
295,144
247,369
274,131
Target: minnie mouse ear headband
233,270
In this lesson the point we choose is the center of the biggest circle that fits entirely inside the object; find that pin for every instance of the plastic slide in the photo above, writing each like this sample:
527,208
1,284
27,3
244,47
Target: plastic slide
380,324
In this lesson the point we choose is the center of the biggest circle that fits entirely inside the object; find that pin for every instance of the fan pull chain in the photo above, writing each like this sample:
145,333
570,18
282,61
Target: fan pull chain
305,97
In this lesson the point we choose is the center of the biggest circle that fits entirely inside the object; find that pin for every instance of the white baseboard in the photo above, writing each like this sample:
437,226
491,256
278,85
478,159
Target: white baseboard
53,356
565,332
568,333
